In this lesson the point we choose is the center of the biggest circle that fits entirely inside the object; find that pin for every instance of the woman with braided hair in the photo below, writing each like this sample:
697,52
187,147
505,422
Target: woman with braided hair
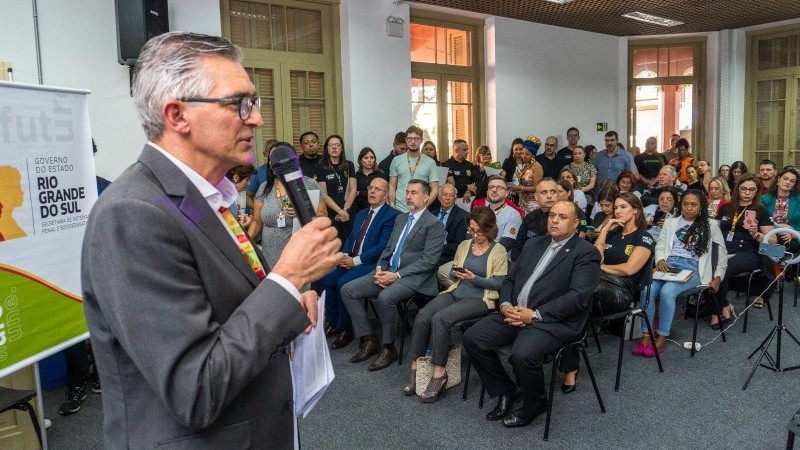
685,243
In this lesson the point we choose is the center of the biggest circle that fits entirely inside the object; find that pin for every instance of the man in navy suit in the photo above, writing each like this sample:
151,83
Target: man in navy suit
371,231
545,302
454,220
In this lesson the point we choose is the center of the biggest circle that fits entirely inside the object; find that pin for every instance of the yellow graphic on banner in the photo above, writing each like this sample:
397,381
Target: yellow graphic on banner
11,196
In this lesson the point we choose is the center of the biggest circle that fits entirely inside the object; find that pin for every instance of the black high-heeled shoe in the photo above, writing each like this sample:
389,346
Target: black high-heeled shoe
410,387
570,388
435,390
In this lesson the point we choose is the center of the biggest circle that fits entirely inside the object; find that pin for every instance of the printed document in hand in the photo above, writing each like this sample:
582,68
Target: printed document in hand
312,371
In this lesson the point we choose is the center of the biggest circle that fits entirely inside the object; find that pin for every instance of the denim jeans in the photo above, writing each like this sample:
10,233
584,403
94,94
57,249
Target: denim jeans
667,291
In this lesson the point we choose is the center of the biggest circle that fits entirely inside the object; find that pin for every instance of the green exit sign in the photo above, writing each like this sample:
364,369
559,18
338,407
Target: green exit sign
602,126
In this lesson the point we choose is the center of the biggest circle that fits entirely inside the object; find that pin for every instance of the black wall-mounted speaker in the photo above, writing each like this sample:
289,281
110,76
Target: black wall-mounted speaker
137,22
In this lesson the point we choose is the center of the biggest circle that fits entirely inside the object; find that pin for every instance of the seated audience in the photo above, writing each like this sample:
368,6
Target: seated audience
783,204
509,217
535,222
454,220
693,180
537,316
625,248
766,173
367,171
273,214
240,177
584,171
742,238
479,268
685,243
667,178
655,215
372,228
704,174
577,195
406,267
718,195
626,182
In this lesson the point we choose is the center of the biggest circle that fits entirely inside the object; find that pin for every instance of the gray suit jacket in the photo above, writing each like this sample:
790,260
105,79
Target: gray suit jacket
420,252
189,344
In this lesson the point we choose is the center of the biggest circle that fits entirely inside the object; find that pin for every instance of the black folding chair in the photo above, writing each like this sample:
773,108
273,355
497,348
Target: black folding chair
403,306
18,399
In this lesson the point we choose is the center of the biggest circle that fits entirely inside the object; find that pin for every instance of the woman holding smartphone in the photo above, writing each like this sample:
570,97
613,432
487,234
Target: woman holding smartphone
743,222
666,208
479,266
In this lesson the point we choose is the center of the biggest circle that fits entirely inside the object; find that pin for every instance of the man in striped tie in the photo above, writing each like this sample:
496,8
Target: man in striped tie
407,266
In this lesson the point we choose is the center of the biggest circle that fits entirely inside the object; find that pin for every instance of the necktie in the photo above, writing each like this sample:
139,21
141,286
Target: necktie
245,246
395,263
443,217
361,233
525,292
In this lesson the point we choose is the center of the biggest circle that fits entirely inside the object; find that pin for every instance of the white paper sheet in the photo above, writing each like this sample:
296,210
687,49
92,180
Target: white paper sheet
312,371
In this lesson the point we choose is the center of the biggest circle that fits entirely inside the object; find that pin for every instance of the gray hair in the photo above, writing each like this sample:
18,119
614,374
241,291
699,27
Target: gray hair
672,170
169,67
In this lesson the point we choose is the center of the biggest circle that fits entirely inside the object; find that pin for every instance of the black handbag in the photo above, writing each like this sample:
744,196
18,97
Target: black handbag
613,293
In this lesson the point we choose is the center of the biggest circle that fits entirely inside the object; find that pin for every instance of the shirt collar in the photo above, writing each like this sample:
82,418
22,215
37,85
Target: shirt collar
222,194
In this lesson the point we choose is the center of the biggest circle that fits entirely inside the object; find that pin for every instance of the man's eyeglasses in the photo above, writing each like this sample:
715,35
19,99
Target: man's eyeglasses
497,188
245,103
414,139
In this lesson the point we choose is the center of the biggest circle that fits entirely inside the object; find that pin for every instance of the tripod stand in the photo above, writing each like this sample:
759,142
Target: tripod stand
774,364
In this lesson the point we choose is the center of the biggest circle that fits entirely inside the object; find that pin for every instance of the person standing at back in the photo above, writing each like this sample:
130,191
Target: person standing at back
412,165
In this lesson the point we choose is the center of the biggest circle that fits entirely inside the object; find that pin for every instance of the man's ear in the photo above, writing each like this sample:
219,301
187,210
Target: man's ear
174,115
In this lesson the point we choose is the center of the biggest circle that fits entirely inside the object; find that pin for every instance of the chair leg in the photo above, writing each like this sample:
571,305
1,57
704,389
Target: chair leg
719,317
556,363
591,377
404,316
466,381
619,357
694,330
652,339
25,406
596,337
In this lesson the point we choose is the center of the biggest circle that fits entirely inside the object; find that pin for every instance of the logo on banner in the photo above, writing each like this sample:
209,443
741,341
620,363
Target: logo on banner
11,196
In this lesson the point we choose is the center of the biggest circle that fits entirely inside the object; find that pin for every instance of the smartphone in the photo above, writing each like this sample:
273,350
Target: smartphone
673,270
591,229
459,269
749,218
658,216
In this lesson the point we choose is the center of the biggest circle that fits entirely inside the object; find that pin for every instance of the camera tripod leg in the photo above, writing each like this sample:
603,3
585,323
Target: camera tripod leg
768,341
764,343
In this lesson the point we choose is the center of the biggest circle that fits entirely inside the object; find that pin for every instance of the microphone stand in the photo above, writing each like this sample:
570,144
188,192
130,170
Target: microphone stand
774,364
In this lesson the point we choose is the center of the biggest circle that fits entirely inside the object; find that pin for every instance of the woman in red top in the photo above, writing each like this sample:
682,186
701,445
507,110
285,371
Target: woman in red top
718,195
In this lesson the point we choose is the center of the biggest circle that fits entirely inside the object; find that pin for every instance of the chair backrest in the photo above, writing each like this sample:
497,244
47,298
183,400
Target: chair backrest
645,278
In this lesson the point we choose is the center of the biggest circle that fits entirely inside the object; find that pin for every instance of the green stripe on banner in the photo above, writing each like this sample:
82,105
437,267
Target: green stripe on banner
35,316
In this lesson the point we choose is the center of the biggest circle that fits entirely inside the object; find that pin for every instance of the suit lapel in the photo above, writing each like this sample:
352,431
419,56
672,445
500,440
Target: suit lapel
195,210
560,256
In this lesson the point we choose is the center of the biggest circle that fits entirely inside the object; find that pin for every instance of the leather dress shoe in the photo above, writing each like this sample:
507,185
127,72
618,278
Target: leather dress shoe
331,331
410,388
385,359
521,419
370,347
343,339
503,407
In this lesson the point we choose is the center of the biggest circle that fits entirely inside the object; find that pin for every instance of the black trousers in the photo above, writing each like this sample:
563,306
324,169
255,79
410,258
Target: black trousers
739,263
529,347
77,360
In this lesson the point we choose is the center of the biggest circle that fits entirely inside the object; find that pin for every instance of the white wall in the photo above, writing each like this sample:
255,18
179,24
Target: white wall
548,78
376,75
79,49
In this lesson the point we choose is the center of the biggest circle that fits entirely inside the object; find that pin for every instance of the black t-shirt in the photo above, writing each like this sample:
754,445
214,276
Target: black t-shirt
309,166
386,163
463,173
335,181
741,241
551,167
649,165
565,154
619,248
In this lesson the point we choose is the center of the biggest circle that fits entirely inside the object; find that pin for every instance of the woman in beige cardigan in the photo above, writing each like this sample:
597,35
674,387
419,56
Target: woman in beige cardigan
479,266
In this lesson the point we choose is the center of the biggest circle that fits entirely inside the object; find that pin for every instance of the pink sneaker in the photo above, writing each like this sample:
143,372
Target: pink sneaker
639,349
650,351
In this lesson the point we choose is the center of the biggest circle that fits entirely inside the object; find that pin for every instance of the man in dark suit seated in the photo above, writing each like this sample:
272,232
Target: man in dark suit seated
537,315
454,220
406,267
371,231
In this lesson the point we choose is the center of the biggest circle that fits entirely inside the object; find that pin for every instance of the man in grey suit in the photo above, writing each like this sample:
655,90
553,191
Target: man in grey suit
407,266
189,329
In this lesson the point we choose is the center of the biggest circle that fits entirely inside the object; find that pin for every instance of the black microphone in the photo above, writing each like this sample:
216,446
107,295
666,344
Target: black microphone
284,162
